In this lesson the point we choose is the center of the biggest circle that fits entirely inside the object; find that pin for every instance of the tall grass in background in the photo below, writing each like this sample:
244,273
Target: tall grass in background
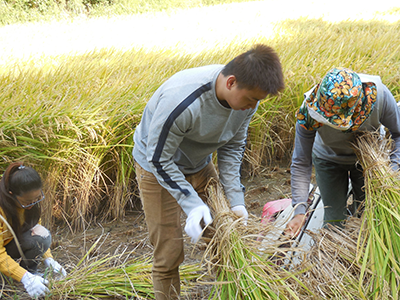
308,50
19,11
73,117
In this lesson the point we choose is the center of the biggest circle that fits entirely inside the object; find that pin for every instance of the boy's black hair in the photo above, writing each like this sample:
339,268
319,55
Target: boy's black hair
259,68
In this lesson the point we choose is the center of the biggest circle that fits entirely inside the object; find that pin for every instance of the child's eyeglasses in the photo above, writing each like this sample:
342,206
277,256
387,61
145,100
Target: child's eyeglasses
33,203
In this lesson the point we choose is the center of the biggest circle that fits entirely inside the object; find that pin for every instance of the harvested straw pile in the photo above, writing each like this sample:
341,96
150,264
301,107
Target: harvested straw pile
333,271
114,277
242,270
361,260
103,279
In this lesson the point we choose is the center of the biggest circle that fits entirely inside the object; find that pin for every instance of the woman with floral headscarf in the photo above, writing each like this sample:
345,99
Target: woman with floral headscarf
343,103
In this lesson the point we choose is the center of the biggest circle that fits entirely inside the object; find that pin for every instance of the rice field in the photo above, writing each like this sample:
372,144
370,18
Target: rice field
72,90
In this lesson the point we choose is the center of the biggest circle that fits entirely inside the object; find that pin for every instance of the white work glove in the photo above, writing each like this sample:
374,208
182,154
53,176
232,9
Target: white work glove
241,212
35,285
193,227
50,262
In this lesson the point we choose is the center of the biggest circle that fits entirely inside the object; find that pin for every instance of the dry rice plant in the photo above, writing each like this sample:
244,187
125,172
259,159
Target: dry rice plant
99,276
118,276
59,112
242,270
270,137
333,271
381,218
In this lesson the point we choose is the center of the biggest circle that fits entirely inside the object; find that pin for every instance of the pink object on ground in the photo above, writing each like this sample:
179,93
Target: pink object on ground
271,208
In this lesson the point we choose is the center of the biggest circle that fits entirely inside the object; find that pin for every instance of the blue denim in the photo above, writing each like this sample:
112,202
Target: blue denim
33,247
333,182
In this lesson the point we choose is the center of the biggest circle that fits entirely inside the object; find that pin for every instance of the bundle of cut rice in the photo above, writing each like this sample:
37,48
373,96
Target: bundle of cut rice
120,276
242,271
379,245
332,268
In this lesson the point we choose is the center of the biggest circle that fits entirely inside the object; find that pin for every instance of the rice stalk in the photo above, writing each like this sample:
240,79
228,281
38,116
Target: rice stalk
361,260
269,136
118,276
381,217
332,268
242,270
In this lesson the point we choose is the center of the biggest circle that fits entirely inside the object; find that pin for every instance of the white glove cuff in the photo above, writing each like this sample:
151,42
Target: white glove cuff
193,227
48,261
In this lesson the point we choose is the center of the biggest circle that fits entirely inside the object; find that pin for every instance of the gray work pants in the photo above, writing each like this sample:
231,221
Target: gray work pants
333,182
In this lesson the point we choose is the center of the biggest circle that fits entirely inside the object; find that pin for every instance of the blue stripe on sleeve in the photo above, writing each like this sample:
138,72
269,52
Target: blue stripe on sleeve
164,134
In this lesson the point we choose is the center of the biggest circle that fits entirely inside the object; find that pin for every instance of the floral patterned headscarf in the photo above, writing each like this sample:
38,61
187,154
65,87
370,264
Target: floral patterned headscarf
340,100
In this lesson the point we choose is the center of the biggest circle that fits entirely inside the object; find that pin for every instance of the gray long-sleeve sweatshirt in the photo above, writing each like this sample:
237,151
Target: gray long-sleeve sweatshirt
181,127
335,146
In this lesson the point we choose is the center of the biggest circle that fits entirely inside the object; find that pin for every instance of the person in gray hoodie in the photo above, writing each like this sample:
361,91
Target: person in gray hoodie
342,104
193,114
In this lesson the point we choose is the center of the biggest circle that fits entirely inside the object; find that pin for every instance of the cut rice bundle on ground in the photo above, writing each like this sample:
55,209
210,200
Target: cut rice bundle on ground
117,277
361,260
332,269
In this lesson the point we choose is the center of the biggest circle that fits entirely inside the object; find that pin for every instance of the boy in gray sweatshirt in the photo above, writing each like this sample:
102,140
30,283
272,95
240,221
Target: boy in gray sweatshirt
333,111
193,114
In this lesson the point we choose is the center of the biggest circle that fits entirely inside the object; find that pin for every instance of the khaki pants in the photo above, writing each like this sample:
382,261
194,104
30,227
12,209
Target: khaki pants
162,213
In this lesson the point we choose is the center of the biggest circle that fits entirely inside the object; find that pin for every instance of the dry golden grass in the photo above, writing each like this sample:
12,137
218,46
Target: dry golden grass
234,256
71,97
381,218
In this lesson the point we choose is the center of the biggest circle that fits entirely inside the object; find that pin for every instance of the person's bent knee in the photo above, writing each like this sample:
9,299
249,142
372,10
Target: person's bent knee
40,238
40,231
